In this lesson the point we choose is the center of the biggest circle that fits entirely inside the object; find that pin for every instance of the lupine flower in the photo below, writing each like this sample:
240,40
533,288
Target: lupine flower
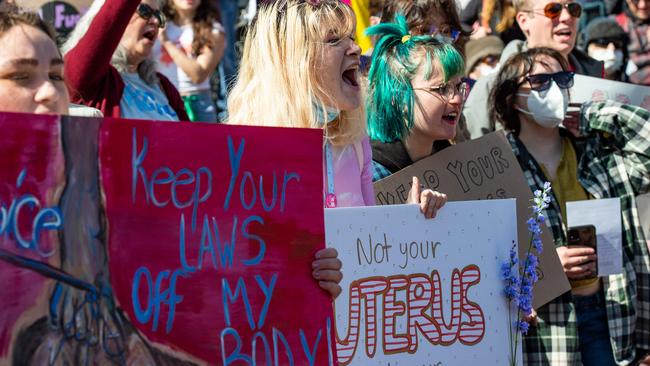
519,289
522,326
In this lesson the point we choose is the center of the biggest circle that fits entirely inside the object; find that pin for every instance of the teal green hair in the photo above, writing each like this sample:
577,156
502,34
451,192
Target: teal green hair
391,99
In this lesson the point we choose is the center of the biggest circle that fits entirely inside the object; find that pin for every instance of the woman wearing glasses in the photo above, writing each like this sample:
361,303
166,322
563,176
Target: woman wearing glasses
108,62
190,48
595,322
415,97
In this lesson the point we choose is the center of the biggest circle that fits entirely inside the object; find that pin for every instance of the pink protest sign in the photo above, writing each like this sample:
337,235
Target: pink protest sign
30,176
176,243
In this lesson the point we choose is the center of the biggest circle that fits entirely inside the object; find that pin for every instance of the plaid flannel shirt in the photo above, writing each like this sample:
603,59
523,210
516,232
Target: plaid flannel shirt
379,171
614,162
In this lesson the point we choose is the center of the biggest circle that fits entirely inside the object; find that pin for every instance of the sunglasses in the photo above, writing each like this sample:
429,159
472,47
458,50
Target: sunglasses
604,42
146,12
553,10
542,82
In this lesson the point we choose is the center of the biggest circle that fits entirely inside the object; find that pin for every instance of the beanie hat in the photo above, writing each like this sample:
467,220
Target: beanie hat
477,49
602,28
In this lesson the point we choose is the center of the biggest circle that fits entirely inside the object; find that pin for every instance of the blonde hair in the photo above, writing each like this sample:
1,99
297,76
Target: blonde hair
278,83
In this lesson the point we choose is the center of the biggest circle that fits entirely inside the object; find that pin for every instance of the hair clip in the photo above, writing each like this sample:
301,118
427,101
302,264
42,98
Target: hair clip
406,38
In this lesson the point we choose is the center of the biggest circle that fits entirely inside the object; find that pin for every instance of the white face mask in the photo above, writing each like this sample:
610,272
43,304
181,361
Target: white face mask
547,108
485,69
613,59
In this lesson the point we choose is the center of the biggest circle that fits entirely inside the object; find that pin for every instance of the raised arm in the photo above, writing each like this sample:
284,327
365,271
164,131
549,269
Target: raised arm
199,68
87,63
623,129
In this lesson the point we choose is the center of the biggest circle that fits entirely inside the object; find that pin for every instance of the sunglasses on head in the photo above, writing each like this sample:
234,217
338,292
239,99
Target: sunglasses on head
553,10
146,12
542,82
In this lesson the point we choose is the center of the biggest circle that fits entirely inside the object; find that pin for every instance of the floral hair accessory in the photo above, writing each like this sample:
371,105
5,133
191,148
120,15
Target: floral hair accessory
406,38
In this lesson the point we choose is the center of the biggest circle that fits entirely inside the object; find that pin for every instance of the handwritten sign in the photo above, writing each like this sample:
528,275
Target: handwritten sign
484,168
423,292
588,88
152,242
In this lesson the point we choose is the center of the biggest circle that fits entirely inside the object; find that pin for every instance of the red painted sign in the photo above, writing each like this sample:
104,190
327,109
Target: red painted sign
165,242
213,230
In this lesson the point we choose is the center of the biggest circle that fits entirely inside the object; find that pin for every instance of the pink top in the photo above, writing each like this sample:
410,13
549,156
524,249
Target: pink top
352,182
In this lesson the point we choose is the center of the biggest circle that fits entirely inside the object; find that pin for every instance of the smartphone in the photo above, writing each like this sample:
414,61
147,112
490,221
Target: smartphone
584,235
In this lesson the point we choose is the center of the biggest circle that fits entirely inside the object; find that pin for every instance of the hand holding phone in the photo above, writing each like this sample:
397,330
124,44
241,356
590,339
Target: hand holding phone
583,237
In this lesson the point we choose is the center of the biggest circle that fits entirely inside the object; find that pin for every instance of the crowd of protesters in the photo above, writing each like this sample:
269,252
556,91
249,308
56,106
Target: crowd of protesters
424,75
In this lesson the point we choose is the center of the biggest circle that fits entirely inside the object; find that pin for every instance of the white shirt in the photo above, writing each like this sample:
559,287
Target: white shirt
182,37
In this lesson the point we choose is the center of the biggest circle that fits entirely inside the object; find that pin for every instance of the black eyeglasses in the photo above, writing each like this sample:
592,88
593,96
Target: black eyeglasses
147,12
553,10
542,82
448,90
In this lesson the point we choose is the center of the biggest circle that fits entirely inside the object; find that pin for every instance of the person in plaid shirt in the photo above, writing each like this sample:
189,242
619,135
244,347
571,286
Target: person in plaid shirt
603,320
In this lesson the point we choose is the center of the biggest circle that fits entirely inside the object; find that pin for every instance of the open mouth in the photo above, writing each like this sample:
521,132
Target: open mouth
564,33
150,34
450,118
350,77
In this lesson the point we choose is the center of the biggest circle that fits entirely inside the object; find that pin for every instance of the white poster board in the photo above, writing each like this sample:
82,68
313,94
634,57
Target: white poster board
588,88
605,216
401,274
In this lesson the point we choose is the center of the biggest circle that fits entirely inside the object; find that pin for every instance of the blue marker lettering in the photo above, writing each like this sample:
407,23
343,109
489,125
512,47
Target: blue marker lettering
227,251
227,296
181,247
266,206
287,350
287,178
267,348
235,355
260,255
310,352
141,315
235,161
268,294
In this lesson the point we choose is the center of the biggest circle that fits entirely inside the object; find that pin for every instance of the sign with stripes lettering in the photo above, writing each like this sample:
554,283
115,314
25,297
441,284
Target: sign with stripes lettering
423,292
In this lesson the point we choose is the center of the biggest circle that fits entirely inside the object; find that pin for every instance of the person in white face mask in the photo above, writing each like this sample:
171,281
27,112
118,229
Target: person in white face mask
606,154
604,40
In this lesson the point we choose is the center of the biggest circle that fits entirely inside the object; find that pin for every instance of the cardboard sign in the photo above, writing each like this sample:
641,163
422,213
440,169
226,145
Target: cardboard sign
423,292
484,168
588,88
153,242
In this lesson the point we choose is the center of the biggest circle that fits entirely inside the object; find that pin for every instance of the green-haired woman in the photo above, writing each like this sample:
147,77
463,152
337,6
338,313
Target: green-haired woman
415,96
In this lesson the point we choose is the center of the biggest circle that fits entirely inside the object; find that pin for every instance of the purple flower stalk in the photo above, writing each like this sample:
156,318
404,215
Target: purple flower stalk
519,288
